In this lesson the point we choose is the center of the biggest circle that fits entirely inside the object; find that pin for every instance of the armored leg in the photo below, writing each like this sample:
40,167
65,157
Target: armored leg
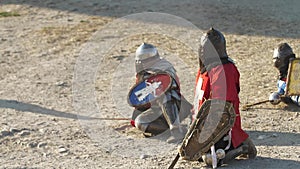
171,114
185,108
246,149
151,121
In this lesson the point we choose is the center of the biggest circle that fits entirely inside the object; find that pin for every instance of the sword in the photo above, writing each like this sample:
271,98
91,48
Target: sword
174,161
247,106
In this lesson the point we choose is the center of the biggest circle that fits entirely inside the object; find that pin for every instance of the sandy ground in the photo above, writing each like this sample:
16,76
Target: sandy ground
65,64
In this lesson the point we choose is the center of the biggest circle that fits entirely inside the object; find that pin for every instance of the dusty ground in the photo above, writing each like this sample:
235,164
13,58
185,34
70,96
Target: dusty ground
66,63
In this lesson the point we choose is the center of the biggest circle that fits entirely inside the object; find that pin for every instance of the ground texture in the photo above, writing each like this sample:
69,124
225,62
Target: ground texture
42,49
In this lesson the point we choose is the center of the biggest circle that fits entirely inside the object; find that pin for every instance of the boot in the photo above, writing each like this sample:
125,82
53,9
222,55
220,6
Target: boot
246,149
207,158
251,152
232,154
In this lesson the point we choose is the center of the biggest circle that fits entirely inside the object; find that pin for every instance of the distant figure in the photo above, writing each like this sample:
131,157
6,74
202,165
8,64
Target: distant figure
218,78
281,58
150,118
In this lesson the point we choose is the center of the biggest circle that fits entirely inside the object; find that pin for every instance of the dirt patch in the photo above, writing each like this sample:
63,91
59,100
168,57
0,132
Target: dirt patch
41,42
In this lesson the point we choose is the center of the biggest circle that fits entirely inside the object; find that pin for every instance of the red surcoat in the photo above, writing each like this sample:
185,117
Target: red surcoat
221,82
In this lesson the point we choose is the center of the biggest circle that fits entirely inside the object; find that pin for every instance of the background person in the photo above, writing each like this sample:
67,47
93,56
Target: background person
281,59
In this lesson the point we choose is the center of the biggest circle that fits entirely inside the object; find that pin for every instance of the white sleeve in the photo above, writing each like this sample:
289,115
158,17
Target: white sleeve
281,85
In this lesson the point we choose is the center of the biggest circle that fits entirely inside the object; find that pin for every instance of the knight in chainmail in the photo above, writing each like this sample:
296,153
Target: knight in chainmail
150,118
281,58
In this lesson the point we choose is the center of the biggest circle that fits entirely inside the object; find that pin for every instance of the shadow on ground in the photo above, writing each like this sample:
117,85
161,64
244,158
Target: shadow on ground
264,138
263,163
26,107
263,18
261,138
257,163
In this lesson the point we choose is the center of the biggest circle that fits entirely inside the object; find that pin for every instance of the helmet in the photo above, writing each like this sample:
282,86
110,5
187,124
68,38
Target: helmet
282,50
212,48
145,56
217,39
145,51
281,57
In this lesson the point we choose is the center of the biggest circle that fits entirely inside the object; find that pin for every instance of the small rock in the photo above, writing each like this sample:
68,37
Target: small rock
261,137
144,156
5,133
41,123
24,128
129,139
32,144
62,150
274,135
159,160
23,143
14,130
24,133
41,144
61,83
86,156
42,131
43,54
75,157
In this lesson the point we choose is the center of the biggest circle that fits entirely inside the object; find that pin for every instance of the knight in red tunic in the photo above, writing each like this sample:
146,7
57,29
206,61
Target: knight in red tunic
218,78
